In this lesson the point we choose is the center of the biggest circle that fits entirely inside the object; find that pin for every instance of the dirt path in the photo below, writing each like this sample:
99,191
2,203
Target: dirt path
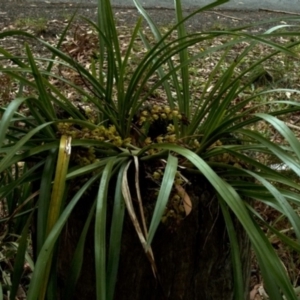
217,19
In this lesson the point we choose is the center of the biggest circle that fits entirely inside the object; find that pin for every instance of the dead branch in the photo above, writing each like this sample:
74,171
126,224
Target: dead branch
279,11
226,16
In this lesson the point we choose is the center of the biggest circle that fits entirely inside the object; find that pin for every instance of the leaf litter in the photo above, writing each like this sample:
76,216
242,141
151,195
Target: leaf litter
281,71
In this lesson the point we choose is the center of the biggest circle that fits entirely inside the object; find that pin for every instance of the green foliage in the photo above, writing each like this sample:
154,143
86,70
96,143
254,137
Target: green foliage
38,25
210,135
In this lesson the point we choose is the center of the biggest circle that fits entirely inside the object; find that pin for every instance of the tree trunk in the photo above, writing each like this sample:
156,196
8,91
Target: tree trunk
193,260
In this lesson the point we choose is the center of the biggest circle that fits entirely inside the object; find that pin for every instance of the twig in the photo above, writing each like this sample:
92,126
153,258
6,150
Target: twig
292,126
226,16
280,11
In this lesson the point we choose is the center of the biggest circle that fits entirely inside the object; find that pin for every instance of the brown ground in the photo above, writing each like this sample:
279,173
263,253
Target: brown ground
55,13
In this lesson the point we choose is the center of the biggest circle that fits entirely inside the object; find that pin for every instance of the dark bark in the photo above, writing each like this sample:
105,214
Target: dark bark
193,260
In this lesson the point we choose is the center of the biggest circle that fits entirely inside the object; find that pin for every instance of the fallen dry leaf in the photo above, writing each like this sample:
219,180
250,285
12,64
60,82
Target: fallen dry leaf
254,293
187,203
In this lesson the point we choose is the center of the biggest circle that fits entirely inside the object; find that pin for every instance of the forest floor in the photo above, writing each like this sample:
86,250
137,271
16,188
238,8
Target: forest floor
10,11
47,20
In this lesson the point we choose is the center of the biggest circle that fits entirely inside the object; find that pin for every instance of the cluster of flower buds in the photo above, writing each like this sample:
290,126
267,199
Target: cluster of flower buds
151,113
100,133
85,156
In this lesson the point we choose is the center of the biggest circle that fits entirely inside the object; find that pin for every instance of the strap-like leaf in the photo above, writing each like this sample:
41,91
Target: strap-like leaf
284,130
57,196
45,198
45,253
19,261
100,231
276,276
234,252
115,236
7,160
163,196
7,116
77,260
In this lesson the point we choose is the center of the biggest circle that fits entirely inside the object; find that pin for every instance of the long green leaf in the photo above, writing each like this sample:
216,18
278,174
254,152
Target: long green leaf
7,117
234,252
61,39
186,104
43,95
7,160
45,253
284,130
64,153
268,259
163,196
115,236
100,231
269,273
19,261
78,257
44,198
26,177
57,197
286,207
275,149
286,240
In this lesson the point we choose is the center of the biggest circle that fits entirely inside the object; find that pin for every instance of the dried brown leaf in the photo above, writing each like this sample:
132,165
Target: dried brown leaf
187,203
